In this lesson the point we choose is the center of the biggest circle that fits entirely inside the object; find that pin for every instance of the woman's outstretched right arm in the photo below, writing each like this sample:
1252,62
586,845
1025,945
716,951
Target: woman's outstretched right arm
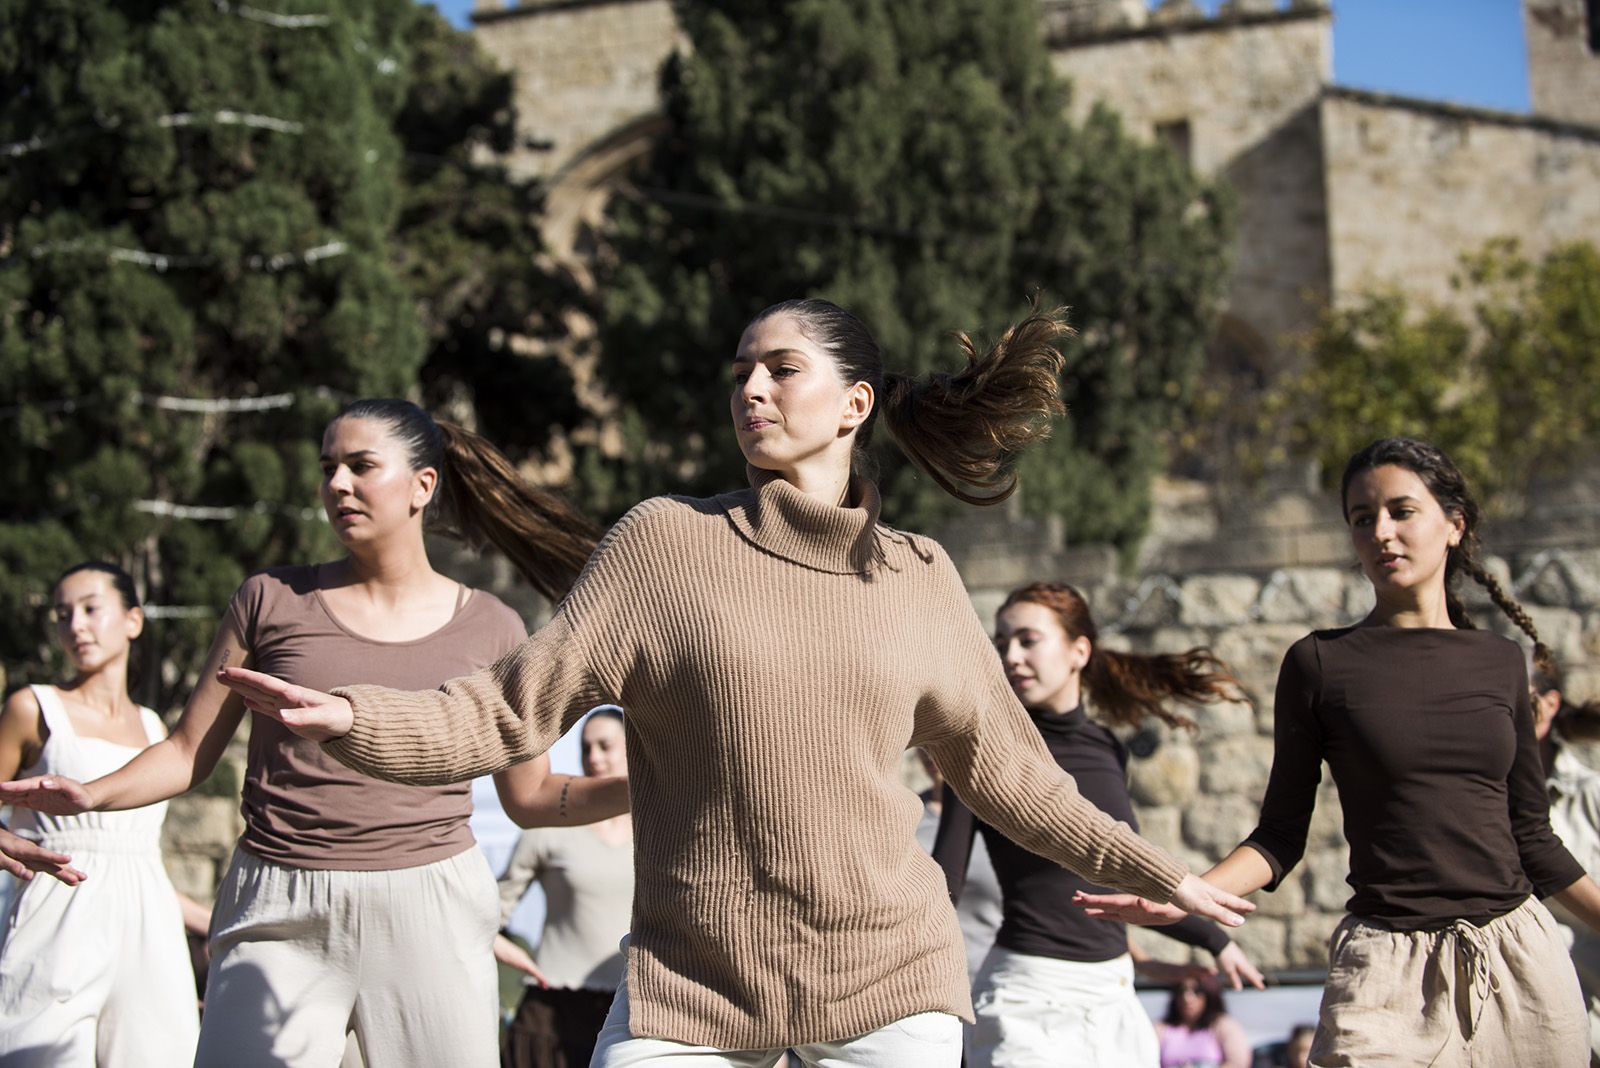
171,766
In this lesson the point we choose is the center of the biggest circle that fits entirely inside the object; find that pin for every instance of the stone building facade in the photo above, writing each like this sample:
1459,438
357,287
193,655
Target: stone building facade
1339,191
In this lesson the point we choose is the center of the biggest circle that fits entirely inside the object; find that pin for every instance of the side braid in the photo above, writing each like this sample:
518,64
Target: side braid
1543,659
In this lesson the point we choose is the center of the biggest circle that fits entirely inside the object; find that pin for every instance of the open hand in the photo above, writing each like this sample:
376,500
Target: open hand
1196,896
1127,908
514,956
1234,963
309,713
22,858
55,795
1193,895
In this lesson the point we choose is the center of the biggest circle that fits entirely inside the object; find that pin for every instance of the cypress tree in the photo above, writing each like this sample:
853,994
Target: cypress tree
470,249
911,160
196,199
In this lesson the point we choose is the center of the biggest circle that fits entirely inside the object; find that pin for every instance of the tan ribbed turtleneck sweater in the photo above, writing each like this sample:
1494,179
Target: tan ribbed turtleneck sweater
776,656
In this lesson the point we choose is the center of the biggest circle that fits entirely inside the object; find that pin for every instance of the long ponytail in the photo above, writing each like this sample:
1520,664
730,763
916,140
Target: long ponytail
967,429
483,499
1128,688
489,501
1449,487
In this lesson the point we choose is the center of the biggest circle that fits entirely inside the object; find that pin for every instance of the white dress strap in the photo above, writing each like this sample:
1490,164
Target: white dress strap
154,729
53,712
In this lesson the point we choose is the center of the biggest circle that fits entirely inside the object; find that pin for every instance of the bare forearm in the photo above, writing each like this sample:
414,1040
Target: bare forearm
1242,872
162,771
196,917
569,800
1582,899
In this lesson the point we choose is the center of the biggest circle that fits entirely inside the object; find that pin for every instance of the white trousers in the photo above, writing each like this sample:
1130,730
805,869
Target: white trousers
403,959
1039,1012
925,1040
97,974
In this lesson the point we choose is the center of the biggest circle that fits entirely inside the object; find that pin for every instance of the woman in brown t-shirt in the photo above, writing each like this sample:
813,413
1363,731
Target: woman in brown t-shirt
1447,956
354,905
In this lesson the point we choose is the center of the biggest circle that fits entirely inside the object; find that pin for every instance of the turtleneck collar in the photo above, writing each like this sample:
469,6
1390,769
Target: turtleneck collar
785,521
1059,723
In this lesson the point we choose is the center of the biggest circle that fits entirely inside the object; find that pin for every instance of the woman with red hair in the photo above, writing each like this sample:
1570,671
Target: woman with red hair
1057,979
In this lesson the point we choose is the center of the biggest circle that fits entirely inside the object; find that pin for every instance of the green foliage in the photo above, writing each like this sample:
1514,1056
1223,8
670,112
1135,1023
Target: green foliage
1511,392
911,161
470,249
192,131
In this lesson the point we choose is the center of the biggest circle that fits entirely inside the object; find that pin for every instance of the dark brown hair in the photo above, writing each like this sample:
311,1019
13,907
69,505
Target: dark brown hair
481,498
1449,487
1575,723
121,581
966,430
1128,687
1210,989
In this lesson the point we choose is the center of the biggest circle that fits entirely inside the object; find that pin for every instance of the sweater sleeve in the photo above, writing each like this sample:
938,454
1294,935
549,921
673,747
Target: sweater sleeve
995,760
1546,862
517,707
1280,836
952,845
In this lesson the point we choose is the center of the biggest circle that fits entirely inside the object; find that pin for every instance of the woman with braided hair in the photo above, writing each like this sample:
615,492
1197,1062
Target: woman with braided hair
778,649
1056,979
1447,956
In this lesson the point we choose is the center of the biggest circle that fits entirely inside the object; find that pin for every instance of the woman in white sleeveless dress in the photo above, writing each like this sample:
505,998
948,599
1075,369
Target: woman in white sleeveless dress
94,969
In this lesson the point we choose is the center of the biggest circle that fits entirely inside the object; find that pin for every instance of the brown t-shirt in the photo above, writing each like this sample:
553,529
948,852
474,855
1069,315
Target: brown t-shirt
1429,735
301,807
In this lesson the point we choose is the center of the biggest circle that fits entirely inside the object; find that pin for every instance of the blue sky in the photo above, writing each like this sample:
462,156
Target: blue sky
1465,51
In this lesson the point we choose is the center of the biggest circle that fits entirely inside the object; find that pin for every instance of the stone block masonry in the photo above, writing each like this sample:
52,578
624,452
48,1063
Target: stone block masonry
1198,794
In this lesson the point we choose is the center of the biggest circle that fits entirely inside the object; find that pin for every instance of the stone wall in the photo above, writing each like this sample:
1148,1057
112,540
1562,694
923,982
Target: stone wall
583,70
1563,59
1198,795
1412,185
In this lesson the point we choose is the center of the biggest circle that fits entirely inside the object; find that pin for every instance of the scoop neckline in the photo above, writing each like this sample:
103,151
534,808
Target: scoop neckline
327,610
79,736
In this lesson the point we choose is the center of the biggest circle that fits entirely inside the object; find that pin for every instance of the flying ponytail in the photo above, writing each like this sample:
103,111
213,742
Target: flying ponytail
1128,688
967,429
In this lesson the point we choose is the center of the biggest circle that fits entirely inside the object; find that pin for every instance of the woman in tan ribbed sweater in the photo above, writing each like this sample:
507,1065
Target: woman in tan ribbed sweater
777,649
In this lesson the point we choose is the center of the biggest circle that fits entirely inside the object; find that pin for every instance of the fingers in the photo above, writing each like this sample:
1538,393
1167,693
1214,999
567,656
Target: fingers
261,692
1240,971
70,876
23,859
1212,910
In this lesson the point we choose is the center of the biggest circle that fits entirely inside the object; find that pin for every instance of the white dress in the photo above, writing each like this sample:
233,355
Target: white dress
98,974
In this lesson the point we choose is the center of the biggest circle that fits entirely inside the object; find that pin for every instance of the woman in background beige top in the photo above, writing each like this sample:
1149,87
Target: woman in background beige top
587,877
353,905
777,650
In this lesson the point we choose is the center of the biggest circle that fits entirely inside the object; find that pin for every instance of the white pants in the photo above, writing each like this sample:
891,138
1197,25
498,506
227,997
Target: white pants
1035,1012
403,959
98,973
926,1040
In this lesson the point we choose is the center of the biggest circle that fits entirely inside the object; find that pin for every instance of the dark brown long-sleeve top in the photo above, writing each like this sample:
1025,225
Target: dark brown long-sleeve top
1038,917
1429,735
776,656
